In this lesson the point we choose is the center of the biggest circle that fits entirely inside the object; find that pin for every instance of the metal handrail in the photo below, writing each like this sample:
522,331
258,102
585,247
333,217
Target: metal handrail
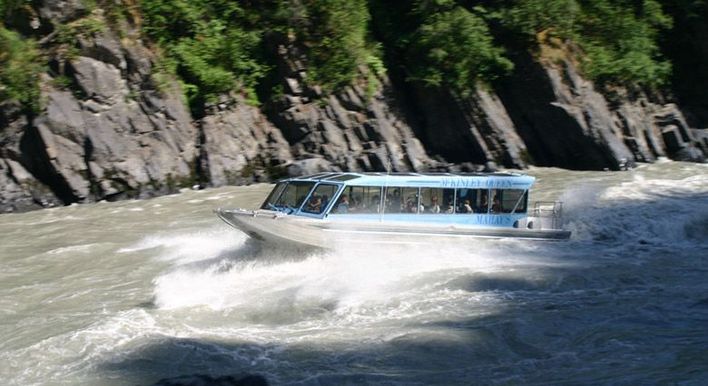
548,209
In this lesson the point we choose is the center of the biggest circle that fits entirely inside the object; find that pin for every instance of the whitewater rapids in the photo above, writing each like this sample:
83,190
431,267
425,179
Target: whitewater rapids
133,292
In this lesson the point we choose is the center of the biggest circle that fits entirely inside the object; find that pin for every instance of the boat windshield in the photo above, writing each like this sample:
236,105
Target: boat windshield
273,196
288,196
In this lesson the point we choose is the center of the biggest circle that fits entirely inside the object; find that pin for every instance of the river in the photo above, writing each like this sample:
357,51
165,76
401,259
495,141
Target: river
132,292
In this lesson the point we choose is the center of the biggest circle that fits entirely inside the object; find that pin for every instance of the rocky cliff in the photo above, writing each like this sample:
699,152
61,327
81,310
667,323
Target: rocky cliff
108,130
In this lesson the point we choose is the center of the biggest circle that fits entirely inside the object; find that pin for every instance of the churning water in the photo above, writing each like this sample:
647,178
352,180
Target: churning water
132,292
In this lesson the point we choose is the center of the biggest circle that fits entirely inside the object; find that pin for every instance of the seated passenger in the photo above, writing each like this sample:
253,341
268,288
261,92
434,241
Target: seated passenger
343,205
449,209
356,204
411,205
467,208
434,206
375,203
314,205
396,204
483,204
496,205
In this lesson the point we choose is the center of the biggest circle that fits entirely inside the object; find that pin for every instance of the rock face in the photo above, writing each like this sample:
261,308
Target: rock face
565,122
107,131
353,130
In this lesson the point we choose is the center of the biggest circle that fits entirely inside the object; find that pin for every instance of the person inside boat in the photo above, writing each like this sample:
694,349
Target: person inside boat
343,205
434,206
375,203
483,204
496,204
396,204
466,207
314,205
411,204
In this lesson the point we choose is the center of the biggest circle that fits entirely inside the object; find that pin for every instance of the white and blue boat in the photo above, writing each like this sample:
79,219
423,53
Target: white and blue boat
329,209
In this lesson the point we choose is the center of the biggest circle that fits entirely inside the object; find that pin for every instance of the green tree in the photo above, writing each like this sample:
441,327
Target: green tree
618,37
334,33
206,45
20,68
455,49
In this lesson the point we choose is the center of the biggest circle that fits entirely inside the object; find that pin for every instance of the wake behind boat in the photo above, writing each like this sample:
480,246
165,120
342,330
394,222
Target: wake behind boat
328,209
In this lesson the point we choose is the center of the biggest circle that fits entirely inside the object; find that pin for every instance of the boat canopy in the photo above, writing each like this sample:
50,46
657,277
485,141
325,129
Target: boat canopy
437,180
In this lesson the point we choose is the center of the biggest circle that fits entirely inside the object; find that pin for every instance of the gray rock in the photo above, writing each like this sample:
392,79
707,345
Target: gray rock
99,80
61,10
239,142
309,166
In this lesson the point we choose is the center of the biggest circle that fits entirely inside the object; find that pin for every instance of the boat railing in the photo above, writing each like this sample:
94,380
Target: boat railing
548,214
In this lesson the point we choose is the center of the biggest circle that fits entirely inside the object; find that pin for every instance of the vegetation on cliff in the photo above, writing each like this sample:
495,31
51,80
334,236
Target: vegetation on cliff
216,46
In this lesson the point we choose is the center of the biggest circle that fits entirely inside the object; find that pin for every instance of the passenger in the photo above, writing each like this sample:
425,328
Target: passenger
484,204
434,206
449,209
411,204
396,204
356,204
343,205
314,205
467,208
496,205
375,204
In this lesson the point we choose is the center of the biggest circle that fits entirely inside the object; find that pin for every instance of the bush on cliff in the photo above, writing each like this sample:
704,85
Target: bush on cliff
205,45
619,38
20,68
455,49
440,43
334,35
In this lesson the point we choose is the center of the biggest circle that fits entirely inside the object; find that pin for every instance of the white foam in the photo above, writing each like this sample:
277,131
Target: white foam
190,246
339,281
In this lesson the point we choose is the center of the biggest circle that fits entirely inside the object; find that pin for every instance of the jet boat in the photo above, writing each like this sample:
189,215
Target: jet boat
330,209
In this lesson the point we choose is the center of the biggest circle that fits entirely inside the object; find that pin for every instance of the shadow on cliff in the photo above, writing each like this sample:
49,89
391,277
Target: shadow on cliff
555,320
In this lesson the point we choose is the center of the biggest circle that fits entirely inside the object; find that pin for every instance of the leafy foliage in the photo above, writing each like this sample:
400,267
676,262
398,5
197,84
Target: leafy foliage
440,42
206,45
334,32
19,70
619,38
455,49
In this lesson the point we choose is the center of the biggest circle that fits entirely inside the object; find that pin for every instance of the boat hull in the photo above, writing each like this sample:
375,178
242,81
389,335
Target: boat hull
278,229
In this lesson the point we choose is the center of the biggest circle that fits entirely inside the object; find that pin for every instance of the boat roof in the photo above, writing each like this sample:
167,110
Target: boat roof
437,180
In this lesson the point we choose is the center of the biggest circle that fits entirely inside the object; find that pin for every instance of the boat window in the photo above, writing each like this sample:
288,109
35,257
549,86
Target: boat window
436,200
273,196
326,175
358,199
343,177
402,200
319,199
505,200
294,194
471,201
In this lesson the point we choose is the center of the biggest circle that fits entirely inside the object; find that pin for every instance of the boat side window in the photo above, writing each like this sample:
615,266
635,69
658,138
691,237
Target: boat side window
294,194
319,199
402,200
436,200
471,201
358,200
273,196
512,200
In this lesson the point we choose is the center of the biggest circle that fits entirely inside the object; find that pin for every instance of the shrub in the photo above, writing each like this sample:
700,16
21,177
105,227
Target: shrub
455,49
619,38
20,68
206,45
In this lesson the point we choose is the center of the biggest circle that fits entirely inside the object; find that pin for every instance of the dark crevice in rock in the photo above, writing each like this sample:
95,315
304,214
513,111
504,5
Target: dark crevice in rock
94,187
201,163
553,134
37,161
